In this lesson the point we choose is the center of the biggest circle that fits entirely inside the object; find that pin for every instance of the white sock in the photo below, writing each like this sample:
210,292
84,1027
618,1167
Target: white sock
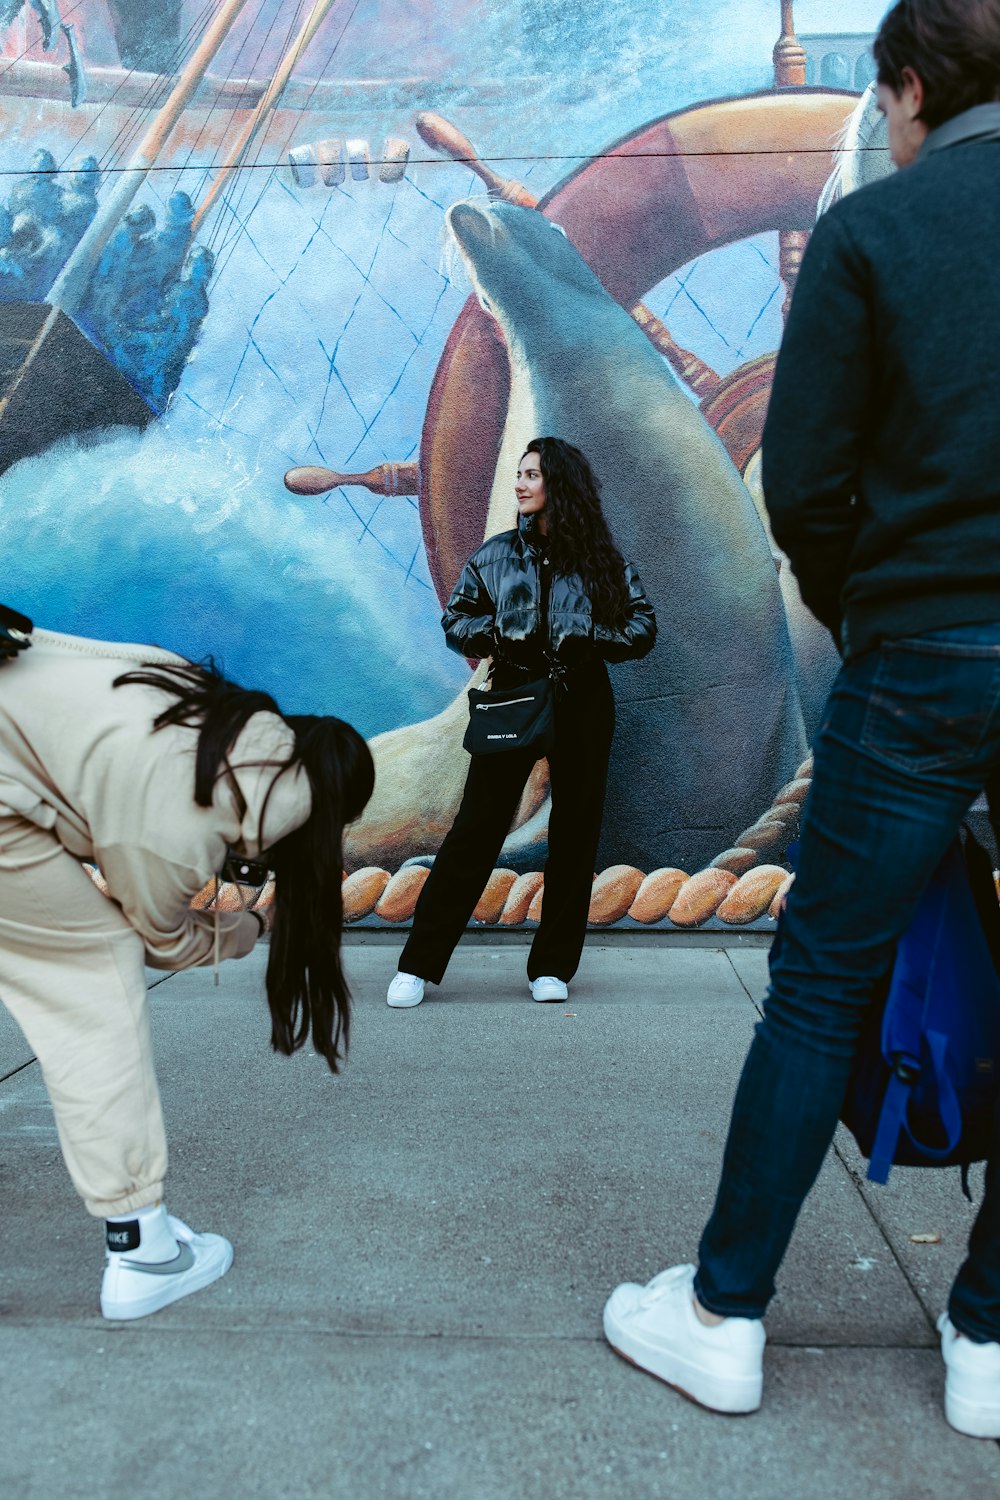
142,1235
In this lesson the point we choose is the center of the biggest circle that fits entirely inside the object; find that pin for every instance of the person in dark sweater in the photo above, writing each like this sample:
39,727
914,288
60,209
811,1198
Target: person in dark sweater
881,473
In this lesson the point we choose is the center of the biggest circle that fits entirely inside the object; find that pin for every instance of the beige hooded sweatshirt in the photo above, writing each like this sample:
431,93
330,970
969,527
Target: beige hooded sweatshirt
80,758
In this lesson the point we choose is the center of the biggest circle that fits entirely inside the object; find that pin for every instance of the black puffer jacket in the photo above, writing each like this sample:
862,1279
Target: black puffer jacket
496,609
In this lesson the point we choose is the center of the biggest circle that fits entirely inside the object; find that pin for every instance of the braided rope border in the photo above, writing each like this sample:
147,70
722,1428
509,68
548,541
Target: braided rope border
740,885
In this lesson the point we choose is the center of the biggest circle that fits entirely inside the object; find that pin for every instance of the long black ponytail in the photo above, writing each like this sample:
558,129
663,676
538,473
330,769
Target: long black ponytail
306,990
305,980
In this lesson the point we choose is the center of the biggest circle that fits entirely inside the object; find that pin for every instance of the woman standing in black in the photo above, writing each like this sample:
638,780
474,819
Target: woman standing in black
553,597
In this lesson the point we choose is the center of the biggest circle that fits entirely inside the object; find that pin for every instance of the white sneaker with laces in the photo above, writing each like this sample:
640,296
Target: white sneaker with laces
133,1288
656,1327
972,1383
548,987
405,990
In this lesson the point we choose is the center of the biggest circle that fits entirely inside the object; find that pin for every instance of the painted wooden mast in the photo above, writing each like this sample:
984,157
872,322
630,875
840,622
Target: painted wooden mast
265,107
71,283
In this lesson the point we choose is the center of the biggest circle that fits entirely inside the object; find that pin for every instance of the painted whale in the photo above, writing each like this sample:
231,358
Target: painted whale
709,725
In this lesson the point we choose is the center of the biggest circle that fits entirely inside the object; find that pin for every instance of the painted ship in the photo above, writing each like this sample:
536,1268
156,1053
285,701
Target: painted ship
55,379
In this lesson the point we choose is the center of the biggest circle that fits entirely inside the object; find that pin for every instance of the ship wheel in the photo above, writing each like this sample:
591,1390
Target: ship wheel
687,183
677,188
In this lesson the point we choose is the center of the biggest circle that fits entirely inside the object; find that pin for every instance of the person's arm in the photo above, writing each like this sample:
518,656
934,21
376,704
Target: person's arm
155,895
816,425
469,618
636,636
154,881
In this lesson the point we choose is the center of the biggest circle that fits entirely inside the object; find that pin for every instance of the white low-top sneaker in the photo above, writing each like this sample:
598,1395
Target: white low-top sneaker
548,987
405,990
135,1288
972,1383
657,1328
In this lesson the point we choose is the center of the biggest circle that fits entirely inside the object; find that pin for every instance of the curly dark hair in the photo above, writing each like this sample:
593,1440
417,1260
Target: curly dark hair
952,45
579,540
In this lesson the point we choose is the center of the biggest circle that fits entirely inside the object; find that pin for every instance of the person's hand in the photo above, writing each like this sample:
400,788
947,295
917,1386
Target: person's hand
783,901
264,909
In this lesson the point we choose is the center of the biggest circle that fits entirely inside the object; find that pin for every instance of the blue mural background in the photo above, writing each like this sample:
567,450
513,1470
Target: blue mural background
329,311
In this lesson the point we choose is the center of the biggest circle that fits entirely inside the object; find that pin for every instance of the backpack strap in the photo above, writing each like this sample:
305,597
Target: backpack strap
949,1111
894,1115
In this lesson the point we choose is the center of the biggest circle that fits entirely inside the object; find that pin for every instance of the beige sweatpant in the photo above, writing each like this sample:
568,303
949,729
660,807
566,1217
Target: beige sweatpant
72,975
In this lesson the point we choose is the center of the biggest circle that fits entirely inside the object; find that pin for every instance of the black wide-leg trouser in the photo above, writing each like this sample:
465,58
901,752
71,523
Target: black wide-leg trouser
578,769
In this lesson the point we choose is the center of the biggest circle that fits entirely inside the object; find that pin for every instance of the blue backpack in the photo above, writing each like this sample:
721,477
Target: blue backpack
926,1082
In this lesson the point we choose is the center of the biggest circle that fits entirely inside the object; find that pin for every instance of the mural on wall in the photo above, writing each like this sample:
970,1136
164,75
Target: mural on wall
285,285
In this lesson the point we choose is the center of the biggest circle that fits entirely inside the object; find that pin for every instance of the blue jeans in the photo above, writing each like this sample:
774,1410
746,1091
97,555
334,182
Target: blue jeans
910,737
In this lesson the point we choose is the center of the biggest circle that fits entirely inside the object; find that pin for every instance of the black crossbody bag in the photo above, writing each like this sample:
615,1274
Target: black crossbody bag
510,719
517,718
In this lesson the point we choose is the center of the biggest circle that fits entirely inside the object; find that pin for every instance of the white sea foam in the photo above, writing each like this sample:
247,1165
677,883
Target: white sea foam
195,548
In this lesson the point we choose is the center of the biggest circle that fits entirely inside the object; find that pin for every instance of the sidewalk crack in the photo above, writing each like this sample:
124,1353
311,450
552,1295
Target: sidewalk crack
742,983
887,1238
19,1069
856,1184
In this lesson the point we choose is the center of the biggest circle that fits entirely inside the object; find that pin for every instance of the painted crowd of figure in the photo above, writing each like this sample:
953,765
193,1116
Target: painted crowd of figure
148,299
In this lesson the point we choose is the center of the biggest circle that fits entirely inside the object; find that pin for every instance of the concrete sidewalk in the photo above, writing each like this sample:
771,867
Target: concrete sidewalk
423,1248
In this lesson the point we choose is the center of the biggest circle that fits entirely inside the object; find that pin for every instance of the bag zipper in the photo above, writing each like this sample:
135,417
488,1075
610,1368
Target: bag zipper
507,703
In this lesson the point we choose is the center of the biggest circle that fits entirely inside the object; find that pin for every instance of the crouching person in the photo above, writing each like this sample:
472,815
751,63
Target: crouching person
153,768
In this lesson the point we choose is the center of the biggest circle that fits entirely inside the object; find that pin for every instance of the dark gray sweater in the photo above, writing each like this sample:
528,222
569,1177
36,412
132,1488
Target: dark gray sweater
881,459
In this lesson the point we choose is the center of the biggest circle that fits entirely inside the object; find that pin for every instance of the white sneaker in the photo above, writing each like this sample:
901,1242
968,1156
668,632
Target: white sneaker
972,1383
657,1328
548,987
133,1288
405,990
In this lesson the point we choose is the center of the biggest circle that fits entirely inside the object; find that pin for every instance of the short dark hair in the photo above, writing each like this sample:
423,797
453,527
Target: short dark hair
952,45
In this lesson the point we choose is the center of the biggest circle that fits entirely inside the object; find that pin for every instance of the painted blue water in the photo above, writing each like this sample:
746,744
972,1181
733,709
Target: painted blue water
195,548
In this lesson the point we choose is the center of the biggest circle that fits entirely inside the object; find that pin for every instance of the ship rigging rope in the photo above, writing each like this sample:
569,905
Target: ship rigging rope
156,92
228,228
230,236
20,56
157,84
253,31
226,233
215,243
